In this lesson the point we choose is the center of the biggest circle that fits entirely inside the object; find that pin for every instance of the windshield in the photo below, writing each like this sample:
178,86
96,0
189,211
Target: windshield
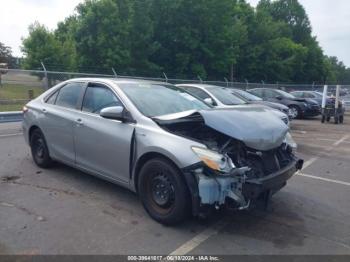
225,96
247,96
285,94
160,99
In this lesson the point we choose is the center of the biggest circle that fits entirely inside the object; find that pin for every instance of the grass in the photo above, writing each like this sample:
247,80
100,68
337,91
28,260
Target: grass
14,91
14,107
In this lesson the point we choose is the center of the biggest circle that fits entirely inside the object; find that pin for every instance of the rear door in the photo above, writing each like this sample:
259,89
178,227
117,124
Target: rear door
102,145
59,113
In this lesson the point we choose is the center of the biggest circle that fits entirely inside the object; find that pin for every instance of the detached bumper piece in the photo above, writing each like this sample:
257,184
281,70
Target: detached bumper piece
254,188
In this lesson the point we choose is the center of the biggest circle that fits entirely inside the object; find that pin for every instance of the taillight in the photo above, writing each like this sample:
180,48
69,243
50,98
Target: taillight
24,109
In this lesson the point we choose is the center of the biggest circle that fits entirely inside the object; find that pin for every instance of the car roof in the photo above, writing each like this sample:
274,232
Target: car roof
118,80
201,86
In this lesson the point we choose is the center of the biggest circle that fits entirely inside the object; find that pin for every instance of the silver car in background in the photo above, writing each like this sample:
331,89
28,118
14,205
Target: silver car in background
223,97
180,155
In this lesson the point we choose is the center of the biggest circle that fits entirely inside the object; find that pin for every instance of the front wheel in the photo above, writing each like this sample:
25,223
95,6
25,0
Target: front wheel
39,149
163,192
294,111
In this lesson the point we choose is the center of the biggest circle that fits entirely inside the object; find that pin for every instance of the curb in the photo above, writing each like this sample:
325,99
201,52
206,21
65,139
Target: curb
12,116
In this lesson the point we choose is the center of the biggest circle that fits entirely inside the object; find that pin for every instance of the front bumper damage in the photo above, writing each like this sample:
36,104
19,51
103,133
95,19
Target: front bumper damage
235,191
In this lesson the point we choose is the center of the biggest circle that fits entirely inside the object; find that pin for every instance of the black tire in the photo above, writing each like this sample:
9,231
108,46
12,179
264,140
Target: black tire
295,111
163,192
40,152
328,118
336,120
341,119
323,119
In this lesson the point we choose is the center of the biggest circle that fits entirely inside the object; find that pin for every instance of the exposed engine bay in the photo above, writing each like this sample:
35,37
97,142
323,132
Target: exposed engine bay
244,168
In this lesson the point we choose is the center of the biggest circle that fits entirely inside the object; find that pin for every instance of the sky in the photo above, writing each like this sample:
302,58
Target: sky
330,20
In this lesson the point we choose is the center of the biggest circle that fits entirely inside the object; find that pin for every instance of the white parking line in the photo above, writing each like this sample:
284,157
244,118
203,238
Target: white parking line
9,135
331,140
200,238
337,143
330,148
325,179
309,162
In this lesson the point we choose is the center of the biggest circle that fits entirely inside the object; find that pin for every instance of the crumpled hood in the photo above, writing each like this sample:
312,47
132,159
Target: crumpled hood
255,127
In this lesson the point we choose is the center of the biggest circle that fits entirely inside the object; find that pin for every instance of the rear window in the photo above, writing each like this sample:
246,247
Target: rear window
69,94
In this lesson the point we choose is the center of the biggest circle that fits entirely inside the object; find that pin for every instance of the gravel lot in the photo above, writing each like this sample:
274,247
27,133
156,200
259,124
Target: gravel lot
64,211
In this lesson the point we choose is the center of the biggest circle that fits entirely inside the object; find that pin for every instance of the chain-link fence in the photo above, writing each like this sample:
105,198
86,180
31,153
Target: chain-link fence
17,86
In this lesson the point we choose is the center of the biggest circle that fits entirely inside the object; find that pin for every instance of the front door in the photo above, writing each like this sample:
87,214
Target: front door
102,145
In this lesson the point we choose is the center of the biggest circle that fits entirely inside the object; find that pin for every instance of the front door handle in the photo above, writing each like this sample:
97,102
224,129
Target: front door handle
79,122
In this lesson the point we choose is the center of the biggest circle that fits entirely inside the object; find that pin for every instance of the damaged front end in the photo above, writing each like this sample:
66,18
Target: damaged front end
248,156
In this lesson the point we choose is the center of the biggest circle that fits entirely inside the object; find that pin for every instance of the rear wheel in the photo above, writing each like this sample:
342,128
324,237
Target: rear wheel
40,152
336,120
294,111
163,192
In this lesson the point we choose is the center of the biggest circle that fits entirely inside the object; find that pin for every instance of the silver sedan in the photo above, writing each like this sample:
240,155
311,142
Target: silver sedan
181,156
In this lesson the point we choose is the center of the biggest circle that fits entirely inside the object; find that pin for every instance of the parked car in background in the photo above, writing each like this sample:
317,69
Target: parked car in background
179,154
222,97
298,107
317,96
253,99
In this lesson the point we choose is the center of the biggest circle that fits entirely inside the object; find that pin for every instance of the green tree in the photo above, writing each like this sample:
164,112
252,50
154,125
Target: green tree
41,46
195,36
6,55
103,34
142,42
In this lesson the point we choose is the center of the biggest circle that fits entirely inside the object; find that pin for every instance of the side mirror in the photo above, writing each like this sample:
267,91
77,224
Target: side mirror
114,112
210,101
278,97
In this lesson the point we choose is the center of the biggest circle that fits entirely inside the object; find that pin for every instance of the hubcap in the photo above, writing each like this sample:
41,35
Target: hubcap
162,191
39,148
293,112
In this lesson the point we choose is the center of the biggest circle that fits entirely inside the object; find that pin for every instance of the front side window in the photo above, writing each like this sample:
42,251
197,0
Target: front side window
246,95
225,96
98,97
285,94
160,99
197,92
309,95
297,94
257,92
68,95
270,93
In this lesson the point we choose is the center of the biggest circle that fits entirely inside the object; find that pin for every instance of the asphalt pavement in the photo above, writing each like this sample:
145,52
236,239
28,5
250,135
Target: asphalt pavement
65,211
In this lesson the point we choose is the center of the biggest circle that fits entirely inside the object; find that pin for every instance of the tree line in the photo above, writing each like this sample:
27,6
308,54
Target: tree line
211,39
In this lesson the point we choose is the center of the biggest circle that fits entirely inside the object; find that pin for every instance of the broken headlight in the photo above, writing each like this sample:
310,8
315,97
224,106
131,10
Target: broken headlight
214,160
290,141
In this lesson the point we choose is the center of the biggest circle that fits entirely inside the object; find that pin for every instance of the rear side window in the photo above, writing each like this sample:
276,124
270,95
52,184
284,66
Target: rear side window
52,99
68,95
98,97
